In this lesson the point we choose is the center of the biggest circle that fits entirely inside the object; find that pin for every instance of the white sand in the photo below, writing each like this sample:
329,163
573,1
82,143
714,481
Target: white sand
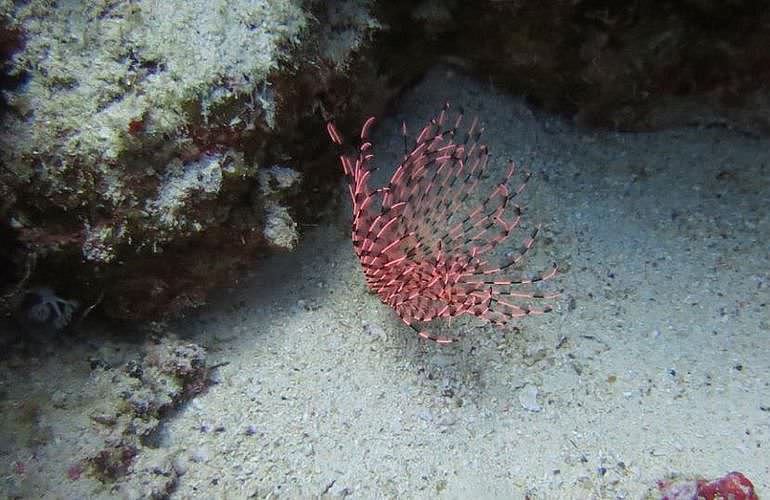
656,360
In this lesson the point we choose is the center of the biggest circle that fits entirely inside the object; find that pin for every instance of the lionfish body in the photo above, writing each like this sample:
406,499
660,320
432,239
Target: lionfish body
422,249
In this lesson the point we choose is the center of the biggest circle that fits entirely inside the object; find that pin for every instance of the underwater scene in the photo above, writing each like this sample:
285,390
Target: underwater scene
240,262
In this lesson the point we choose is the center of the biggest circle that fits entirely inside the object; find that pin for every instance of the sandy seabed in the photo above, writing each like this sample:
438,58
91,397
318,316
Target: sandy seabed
655,362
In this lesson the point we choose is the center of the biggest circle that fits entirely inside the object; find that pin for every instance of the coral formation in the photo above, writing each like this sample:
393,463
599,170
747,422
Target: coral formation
42,310
110,422
276,183
733,486
137,128
139,395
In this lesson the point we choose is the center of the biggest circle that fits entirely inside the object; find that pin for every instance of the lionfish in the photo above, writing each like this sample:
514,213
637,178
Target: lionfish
423,250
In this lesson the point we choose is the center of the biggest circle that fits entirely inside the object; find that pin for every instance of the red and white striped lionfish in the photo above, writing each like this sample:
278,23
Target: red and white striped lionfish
422,250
